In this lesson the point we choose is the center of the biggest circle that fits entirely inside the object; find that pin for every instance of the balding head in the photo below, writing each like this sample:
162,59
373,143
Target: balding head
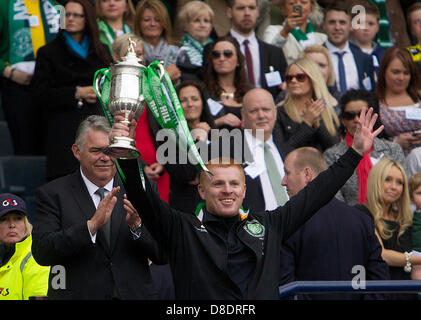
301,166
259,112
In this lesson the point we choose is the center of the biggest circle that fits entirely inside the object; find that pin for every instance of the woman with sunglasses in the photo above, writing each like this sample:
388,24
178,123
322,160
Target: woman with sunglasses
62,83
388,202
306,116
226,82
114,18
153,25
354,190
321,56
398,91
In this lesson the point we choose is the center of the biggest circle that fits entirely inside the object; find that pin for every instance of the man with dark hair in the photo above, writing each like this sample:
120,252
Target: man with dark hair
223,252
353,68
337,239
265,63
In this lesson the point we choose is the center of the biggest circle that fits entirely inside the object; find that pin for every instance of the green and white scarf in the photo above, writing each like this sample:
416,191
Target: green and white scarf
21,48
106,33
194,49
304,39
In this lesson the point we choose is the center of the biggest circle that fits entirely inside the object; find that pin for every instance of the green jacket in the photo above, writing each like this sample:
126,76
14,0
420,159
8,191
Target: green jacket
21,277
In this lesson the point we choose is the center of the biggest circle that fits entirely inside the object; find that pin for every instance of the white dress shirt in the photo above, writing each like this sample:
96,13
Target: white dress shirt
92,188
256,147
255,54
351,71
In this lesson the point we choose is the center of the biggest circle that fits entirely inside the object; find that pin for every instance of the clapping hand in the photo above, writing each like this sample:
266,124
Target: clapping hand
364,135
132,217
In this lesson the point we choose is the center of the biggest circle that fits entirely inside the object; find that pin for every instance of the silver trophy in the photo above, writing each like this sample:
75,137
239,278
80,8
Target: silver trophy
125,96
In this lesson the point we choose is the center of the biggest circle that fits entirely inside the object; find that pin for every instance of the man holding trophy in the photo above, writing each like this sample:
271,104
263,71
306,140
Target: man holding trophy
223,252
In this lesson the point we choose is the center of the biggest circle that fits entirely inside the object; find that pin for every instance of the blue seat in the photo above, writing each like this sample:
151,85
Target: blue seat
21,175
6,145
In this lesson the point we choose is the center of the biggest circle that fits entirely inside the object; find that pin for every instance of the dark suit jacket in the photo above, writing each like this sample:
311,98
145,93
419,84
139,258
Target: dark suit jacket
329,245
301,135
93,271
254,199
270,56
364,64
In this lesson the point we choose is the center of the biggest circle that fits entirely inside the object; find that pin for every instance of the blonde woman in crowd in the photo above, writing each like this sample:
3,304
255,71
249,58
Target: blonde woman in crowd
388,202
321,56
306,116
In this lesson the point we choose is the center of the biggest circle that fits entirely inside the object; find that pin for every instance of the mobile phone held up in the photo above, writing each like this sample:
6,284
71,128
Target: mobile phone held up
298,9
416,132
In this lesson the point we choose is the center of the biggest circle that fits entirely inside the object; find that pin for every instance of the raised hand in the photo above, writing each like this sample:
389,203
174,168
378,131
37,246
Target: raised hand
364,135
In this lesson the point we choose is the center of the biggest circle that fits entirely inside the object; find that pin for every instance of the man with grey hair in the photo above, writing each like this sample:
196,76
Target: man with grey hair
85,224
337,243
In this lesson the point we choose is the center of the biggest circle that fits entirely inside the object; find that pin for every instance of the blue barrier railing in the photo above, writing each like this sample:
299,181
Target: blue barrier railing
370,286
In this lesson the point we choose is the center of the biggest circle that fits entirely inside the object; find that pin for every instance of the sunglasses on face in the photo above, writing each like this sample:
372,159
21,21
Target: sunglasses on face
301,77
350,115
217,54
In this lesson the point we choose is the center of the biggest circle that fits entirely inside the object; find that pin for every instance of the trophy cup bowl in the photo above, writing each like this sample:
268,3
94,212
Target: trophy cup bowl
125,97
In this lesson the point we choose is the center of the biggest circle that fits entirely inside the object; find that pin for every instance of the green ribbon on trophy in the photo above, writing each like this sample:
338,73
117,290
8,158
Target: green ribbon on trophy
165,106
162,100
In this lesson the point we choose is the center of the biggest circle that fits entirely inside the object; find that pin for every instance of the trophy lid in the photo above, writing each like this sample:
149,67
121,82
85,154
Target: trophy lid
130,59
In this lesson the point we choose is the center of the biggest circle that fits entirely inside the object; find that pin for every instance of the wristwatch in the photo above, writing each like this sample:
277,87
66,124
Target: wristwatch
137,231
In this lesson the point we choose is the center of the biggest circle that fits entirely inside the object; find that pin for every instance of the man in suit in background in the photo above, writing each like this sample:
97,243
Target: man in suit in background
353,68
84,223
337,243
265,63
264,152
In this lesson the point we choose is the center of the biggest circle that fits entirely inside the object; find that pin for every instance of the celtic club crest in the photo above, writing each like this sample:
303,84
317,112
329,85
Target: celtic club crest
22,43
254,228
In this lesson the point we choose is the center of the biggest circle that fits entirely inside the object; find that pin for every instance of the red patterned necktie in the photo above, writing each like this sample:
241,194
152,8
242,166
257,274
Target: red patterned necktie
249,62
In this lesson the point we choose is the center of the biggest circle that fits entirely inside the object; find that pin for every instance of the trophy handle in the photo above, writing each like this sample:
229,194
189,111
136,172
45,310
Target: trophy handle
97,81
161,70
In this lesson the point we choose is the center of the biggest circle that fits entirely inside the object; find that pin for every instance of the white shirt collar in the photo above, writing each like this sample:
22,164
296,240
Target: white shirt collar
92,188
240,38
332,48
